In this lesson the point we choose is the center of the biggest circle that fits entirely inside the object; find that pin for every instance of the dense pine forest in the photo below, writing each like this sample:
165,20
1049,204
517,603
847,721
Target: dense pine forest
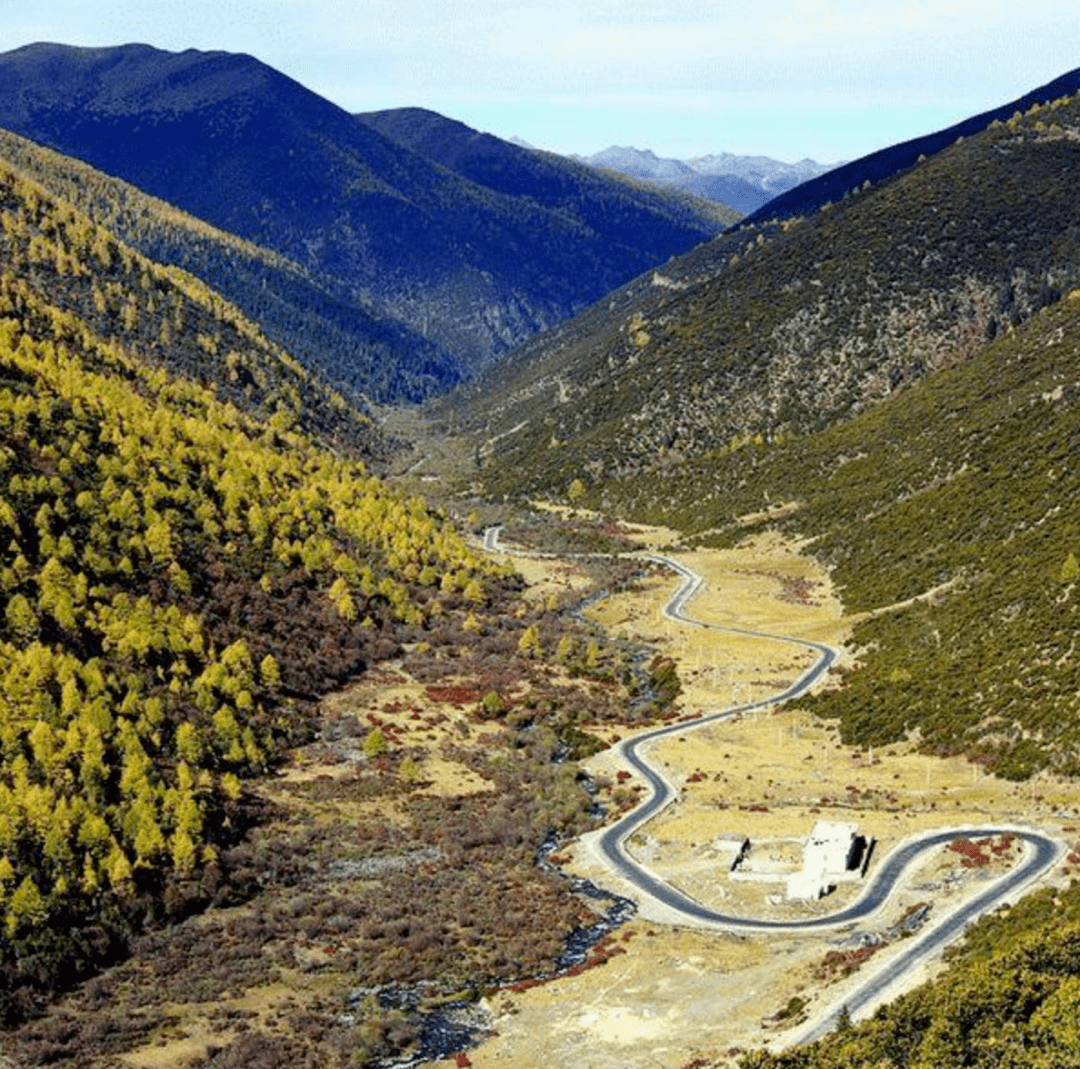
149,524
179,578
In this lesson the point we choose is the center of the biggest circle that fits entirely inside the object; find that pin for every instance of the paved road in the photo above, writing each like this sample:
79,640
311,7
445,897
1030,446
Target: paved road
888,872
1040,854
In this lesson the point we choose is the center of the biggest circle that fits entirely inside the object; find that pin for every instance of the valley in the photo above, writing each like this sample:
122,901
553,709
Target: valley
675,993
341,832
325,719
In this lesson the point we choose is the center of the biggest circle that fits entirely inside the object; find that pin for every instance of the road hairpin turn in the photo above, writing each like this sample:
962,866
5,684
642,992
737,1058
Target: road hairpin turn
1040,854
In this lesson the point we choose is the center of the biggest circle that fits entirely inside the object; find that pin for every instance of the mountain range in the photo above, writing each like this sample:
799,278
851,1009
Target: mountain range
745,183
882,364
781,329
436,269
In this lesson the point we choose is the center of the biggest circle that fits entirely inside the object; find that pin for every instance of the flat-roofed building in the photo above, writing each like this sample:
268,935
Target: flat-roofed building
832,852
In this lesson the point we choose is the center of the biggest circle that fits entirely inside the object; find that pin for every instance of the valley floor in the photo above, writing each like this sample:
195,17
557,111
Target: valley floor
666,994
677,994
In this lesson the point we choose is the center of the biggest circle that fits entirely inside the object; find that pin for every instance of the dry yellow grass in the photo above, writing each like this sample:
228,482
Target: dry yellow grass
657,1005
548,577
672,992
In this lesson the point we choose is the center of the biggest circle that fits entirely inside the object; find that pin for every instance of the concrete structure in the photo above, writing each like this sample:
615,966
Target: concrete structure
809,868
834,851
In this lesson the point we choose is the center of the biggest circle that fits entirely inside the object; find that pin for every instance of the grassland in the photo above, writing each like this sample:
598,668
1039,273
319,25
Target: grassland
676,995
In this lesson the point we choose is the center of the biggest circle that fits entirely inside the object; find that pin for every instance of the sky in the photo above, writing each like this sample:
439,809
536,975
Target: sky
825,79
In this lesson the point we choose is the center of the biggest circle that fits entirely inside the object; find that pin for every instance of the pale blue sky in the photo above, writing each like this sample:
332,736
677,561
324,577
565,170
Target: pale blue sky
830,79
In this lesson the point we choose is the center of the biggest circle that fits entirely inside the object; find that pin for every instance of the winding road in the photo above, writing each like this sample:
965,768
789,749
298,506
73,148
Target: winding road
1041,851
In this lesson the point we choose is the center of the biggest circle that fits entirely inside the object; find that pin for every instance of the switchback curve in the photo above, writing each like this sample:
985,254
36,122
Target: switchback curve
1041,852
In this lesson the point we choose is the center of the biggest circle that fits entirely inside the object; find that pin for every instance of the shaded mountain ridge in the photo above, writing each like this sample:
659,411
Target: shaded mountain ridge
340,343
384,232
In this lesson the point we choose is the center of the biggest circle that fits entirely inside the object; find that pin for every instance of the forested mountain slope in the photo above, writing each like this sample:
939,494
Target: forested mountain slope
340,341
382,229
778,331
886,371
951,514
1010,998
182,569
172,318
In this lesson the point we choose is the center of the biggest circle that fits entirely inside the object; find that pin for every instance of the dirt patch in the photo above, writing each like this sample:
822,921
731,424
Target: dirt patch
656,1004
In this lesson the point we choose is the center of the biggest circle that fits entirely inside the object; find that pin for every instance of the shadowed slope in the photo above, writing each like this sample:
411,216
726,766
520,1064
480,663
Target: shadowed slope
469,268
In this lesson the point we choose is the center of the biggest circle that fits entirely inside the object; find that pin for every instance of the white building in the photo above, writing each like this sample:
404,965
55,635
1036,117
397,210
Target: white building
833,850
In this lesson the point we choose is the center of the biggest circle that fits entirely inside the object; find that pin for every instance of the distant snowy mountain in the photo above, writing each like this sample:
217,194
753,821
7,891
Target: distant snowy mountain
770,174
742,182
641,163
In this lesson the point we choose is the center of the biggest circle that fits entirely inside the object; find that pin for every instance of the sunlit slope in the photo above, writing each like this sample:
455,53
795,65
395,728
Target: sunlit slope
179,575
1009,999
782,331
55,249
